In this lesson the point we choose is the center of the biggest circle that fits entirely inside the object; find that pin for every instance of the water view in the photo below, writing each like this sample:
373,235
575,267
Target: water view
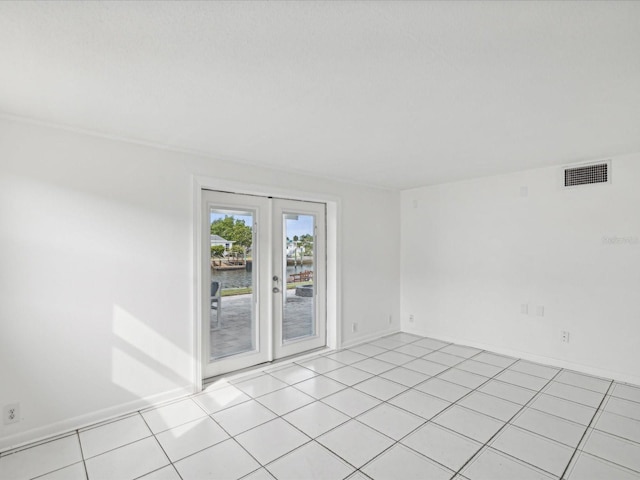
242,278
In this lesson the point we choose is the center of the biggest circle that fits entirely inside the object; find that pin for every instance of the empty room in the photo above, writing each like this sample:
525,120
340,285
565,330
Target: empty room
341,240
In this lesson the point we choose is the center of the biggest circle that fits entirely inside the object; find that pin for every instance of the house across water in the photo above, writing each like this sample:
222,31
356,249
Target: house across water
217,240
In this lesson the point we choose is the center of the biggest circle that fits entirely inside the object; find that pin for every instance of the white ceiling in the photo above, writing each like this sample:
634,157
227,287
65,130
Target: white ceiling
392,94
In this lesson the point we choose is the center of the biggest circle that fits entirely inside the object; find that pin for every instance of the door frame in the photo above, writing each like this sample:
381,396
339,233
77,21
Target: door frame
333,252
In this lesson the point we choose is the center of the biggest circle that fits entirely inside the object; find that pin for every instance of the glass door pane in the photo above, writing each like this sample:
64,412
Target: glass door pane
232,314
298,313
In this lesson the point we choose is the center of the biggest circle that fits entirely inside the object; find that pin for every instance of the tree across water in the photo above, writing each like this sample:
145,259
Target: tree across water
234,230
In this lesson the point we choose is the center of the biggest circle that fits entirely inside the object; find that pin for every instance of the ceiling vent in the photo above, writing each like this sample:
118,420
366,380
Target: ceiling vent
587,174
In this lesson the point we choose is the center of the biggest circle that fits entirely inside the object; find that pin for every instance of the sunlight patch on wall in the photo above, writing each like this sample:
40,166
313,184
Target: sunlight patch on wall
144,361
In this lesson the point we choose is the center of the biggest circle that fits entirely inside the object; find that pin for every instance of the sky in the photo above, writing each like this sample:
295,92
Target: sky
299,227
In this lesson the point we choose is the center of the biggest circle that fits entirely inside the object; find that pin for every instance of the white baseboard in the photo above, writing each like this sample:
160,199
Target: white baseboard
369,337
68,426
65,427
553,362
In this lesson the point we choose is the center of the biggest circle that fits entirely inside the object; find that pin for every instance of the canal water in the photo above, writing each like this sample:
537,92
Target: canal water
242,278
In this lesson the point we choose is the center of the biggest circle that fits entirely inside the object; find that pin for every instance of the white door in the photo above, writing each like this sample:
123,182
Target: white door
263,279
299,281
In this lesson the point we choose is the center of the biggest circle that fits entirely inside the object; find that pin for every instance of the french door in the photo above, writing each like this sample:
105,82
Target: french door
263,279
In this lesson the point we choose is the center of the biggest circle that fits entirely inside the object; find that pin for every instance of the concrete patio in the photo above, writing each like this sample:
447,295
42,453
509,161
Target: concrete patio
233,335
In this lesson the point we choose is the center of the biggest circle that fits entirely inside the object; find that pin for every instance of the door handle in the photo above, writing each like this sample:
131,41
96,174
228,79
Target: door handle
276,289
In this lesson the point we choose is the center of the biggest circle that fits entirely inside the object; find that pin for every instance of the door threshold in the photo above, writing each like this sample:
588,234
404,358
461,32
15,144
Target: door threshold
209,381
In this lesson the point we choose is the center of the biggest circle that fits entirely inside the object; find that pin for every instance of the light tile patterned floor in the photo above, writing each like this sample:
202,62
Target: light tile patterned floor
400,407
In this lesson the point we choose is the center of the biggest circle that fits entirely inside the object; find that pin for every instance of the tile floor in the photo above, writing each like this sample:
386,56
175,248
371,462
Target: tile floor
400,407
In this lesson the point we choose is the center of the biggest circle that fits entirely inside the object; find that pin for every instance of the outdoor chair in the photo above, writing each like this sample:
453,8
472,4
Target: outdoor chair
216,301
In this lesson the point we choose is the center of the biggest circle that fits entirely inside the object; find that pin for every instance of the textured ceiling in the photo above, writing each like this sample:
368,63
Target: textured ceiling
392,94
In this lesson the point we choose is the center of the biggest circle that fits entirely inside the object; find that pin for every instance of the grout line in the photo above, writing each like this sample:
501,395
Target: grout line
159,444
634,471
508,422
584,434
575,401
278,416
251,455
193,453
583,388
61,468
629,470
359,471
121,446
405,389
612,397
254,471
312,439
231,437
175,469
579,425
37,443
151,434
558,416
107,422
84,461
617,435
350,418
157,470
529,465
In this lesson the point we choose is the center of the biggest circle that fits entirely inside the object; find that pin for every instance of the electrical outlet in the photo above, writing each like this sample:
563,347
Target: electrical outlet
390,319
411,318
564,336
354,327
540,310
11,413
524,308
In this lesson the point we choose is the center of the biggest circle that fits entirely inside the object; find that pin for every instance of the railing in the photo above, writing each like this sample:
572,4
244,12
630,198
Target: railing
305,276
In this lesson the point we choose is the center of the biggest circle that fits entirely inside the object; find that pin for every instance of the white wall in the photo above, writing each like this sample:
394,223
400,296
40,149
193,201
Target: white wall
96,278
474,251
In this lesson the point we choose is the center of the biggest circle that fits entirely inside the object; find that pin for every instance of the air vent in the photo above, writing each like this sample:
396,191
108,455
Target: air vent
586,175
